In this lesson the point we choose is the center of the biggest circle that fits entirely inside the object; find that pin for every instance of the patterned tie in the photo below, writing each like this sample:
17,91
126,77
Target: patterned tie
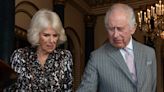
129,59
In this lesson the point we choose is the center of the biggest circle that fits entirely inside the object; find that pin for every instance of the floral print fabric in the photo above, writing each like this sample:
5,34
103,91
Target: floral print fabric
55,76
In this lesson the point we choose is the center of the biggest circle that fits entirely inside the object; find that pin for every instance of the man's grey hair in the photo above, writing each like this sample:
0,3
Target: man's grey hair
122,8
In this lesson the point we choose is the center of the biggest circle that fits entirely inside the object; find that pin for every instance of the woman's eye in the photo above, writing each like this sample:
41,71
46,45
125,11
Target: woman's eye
55,35
46,35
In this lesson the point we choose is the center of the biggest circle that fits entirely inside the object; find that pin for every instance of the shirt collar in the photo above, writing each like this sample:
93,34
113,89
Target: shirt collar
130,45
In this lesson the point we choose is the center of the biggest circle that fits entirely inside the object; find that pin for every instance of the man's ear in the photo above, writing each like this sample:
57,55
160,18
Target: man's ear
133,29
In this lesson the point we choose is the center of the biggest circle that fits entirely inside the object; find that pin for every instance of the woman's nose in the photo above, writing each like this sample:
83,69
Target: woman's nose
52,39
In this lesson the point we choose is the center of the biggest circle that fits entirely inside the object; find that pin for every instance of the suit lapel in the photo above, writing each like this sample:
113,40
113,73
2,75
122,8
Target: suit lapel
139,64
118,60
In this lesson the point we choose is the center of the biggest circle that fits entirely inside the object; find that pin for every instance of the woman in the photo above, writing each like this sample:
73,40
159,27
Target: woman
42,67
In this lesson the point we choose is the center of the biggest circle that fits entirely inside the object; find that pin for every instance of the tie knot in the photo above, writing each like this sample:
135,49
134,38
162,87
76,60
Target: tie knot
127,50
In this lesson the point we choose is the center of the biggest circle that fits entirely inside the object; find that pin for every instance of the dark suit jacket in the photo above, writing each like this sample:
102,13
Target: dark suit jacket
107,71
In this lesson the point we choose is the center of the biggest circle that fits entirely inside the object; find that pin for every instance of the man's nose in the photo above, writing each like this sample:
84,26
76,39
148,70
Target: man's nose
115,34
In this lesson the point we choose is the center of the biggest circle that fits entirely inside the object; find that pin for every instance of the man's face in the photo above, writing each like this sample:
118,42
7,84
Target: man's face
119,30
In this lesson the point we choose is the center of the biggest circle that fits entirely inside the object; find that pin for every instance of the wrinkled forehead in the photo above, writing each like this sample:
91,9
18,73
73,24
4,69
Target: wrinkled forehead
119,10
117,19
50,28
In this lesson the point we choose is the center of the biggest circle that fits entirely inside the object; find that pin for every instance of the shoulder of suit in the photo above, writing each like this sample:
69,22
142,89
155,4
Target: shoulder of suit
102,49
143,47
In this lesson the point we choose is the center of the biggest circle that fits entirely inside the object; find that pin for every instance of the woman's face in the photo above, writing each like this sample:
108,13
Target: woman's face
48,40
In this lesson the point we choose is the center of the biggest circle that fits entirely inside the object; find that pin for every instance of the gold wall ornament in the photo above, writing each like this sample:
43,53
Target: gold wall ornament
151,20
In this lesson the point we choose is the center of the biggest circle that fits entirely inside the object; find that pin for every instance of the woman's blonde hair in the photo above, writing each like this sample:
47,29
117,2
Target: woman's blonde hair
42,20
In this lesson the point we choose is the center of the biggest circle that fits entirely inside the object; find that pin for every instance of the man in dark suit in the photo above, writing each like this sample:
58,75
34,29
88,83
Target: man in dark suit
108,69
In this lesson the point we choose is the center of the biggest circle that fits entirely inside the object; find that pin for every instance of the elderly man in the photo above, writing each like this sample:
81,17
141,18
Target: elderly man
122,64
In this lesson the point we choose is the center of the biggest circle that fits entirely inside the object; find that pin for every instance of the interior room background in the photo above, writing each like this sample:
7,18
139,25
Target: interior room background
84,25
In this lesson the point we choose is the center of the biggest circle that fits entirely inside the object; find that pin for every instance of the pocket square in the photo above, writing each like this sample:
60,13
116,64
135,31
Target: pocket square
149,62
